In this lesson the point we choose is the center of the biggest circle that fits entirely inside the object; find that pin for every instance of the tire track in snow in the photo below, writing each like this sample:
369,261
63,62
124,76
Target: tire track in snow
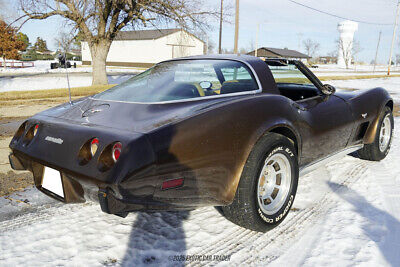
235,240
40,213
289,232
288,229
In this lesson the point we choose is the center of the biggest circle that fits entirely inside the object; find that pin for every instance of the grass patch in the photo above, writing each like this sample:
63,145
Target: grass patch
54,93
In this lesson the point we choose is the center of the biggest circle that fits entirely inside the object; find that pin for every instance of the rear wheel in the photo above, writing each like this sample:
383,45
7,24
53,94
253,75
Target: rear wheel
267,186
383,139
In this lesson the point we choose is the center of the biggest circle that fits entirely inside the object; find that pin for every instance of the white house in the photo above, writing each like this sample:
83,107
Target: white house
146,47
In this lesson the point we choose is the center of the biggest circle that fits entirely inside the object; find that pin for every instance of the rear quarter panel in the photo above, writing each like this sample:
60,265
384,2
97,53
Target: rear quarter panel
210,148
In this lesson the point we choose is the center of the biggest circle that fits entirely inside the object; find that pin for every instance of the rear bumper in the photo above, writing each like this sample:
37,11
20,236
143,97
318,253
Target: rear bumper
78,189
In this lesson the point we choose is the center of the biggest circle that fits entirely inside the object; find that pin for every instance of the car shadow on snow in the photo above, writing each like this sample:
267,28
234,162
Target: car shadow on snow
157,238
388,238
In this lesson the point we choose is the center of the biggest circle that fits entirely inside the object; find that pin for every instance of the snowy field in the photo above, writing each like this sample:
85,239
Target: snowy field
54,81
345,214
390,84
333,69
42,77
43,66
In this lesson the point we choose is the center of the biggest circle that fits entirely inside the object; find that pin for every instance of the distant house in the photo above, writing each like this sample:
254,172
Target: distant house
146,47
269,52
47,53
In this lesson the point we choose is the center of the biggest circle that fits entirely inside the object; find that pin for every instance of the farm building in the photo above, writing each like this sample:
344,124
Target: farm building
146,47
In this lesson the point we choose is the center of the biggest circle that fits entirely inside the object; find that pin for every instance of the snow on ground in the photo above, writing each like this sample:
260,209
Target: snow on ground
392,85
54,81
346,213
334,69
43,66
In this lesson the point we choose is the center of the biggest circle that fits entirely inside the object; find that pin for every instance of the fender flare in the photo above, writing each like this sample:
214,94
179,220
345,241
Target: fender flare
370,134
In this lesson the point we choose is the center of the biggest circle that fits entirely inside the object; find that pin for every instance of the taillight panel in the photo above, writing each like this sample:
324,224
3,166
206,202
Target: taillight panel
88,151
20,132
116,151
109,156
30,134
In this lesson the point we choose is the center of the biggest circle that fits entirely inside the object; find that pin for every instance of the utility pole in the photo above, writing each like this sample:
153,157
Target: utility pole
235,49
220,27
377,49
256,51
394,36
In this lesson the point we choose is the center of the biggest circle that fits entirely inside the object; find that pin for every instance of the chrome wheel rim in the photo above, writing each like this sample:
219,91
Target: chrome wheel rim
385,133
274,183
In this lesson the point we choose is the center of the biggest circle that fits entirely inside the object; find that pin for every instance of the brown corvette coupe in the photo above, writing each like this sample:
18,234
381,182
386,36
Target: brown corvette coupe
227,131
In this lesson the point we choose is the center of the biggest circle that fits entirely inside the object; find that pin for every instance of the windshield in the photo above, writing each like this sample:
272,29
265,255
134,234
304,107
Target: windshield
289,74
184,79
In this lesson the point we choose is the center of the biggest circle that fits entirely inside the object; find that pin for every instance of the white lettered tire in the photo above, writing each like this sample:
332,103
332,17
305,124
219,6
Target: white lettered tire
267,186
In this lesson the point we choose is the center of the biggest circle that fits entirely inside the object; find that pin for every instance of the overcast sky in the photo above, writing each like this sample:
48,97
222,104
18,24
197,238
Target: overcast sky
285,24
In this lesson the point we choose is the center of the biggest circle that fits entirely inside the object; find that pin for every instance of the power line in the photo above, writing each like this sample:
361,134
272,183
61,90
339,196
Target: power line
340,17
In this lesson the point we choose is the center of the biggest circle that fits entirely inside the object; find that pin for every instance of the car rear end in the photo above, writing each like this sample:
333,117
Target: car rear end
73,162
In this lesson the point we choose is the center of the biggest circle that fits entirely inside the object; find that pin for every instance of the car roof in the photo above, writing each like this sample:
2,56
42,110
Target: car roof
243,58
258,65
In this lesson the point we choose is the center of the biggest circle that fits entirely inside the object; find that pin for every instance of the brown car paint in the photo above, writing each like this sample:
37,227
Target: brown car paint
206,142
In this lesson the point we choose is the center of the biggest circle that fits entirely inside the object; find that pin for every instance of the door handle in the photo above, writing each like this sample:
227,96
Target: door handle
298,106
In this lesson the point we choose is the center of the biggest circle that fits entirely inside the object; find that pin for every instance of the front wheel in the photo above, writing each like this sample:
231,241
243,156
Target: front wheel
383,139
268,185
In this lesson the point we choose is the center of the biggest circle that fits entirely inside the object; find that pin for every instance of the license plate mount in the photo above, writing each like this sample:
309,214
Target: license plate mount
52,181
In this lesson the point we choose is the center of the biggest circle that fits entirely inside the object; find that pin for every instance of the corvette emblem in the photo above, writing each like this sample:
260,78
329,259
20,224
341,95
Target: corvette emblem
364,115
54,140
94,110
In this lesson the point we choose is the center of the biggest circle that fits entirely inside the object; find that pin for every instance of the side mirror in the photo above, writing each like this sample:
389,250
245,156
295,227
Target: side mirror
328,89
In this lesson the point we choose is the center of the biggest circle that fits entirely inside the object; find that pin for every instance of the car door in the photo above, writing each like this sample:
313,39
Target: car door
325,122
326,126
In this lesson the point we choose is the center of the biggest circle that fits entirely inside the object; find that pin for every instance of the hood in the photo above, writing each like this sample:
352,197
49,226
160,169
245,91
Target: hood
138,117
348,95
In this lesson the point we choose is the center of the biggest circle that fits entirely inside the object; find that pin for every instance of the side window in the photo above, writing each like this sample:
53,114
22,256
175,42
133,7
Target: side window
237,78
196,74
289,74
292,83
236,73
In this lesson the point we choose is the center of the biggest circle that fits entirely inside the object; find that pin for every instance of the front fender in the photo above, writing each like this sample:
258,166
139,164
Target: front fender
376,99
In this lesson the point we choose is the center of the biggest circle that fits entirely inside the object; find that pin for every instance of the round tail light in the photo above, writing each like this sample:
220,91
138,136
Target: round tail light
35,129
116,151
19,133
94,144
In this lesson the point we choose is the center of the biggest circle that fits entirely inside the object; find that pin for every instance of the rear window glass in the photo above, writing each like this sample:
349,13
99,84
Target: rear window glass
184,79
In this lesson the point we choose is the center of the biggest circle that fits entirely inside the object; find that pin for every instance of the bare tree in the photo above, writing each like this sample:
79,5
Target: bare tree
64,41
101,20
311,47
349,50
210,47
345,49
397,59
7,11
356,49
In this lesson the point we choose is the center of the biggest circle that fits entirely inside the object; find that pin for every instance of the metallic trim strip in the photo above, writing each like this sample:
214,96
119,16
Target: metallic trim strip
180,101
333,157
